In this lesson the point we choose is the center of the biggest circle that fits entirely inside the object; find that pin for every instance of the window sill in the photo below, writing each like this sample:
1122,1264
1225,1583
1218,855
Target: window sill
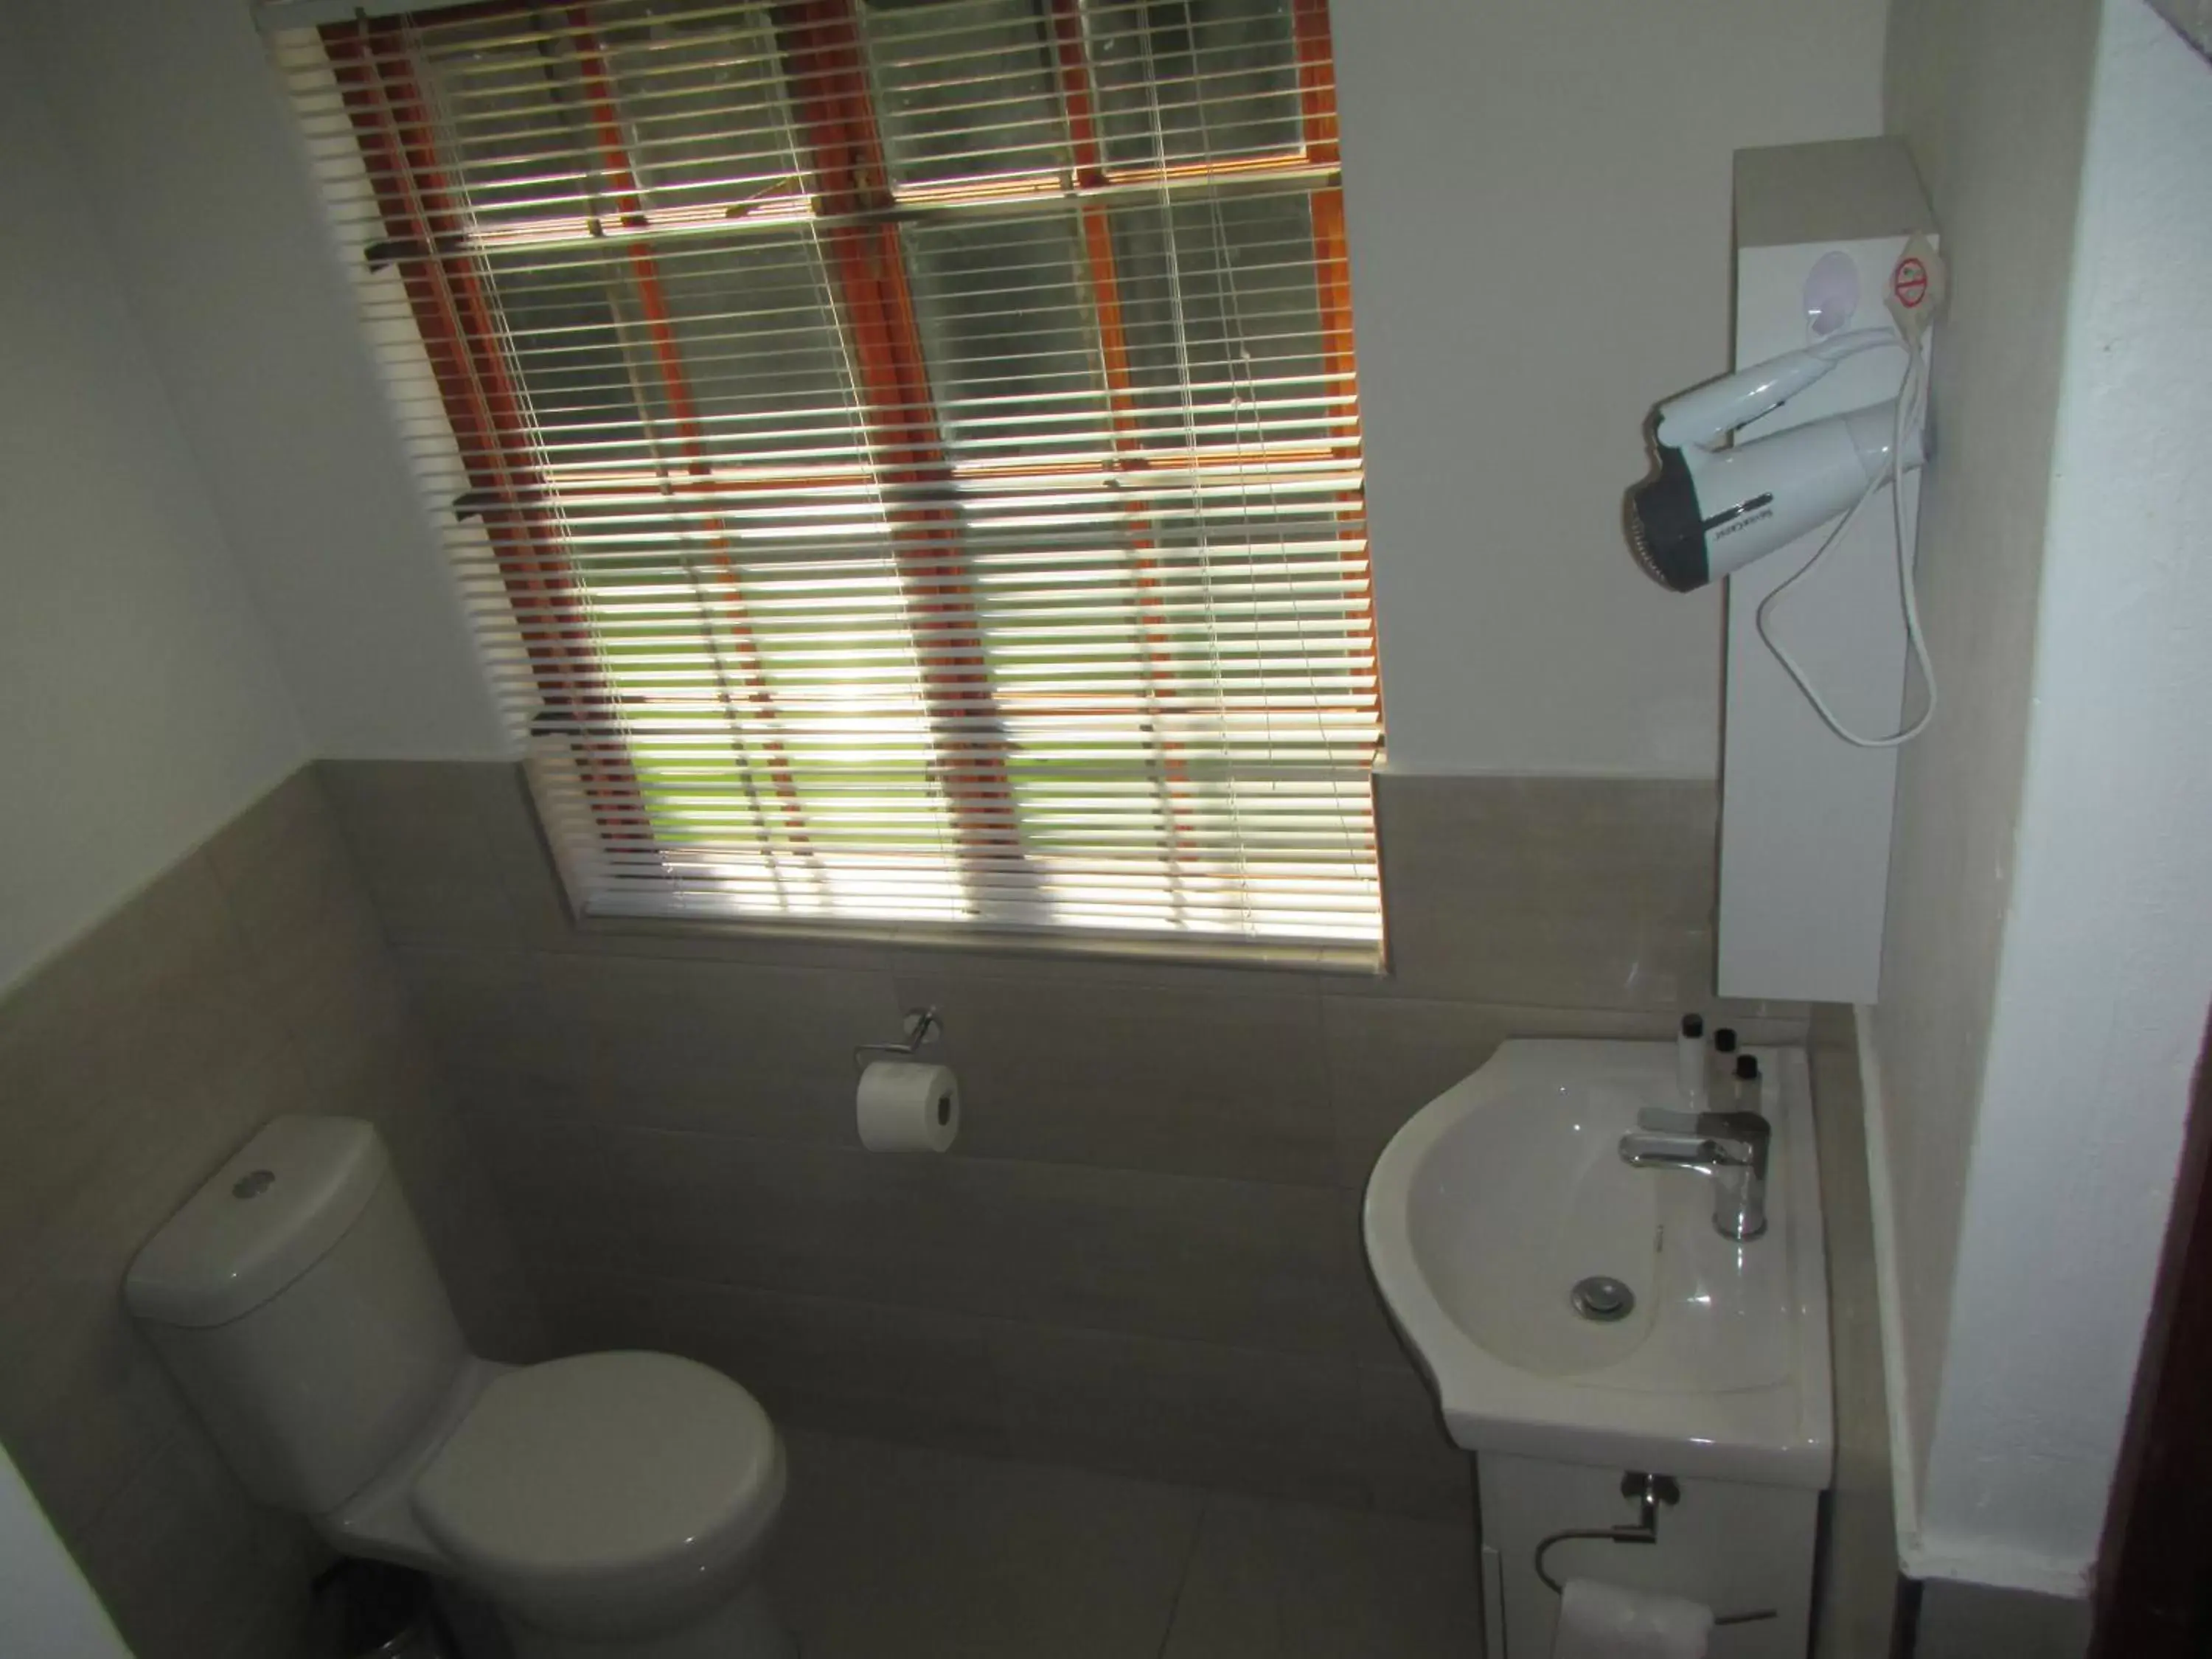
1367,961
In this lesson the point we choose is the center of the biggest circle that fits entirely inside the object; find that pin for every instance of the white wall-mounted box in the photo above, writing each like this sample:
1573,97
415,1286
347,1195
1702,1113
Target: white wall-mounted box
1805,816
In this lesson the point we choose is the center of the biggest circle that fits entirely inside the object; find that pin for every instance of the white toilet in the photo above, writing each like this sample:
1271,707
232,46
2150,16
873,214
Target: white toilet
612,1505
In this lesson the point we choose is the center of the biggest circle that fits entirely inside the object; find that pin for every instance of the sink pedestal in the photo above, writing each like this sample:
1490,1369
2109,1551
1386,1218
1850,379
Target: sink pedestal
1735,1546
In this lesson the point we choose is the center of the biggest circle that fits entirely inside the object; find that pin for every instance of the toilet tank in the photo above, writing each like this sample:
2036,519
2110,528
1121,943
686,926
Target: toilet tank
295,1299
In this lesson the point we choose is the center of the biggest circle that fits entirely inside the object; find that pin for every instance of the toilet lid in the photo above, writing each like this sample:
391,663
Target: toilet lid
604,1466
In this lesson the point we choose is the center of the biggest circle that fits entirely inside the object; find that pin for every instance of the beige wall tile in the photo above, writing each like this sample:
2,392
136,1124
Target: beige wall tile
1857,1578
128,1069
757,1212
817,1362
717,1045
488,1013
311,933
634,936
1252,1420
506,817
1229,1261
494,1296
183,1557
1559,892
1171,1255
1196,1080
568,1206
1374,1340
317,952
437,863
250,979
84,1399
1573,892
1411,1465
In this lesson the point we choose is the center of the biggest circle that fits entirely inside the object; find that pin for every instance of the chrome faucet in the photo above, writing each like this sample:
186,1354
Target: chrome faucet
1729,1146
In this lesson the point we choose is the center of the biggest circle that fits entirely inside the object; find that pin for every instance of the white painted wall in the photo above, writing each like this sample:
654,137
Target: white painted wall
2193,18
141,705
1539,194
1992,95
2107,961
46,1608
2032,1138
180,131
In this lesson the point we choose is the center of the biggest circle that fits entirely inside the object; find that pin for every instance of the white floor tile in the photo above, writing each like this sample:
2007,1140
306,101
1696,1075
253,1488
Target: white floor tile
1297,1581
900,1553
892,1551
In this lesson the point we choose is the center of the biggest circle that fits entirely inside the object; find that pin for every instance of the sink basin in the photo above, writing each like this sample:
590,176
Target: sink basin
1500,1195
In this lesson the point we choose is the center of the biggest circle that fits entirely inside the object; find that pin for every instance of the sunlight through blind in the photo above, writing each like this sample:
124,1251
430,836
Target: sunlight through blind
902,456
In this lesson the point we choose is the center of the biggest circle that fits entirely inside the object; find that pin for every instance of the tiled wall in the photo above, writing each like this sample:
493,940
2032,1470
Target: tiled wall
1856,1614
251,978
1144,1253
1866,1609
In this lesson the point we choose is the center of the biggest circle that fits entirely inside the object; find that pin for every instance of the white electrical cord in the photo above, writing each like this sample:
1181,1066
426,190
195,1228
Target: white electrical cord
1911,409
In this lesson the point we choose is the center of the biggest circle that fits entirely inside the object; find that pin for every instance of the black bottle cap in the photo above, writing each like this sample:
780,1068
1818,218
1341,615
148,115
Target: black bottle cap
1694,1026
1724,1039
1746,1067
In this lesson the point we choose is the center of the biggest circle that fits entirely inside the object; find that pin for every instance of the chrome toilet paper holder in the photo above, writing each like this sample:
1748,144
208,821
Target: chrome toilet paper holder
923,1027
1647,1492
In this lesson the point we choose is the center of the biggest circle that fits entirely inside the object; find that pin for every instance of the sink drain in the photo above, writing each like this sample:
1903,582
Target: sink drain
1603,1298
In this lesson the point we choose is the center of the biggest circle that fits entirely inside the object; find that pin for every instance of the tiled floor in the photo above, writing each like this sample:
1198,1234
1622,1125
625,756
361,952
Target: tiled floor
897,1552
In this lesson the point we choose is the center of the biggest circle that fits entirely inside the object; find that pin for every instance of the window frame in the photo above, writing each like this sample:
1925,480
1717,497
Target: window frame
827,78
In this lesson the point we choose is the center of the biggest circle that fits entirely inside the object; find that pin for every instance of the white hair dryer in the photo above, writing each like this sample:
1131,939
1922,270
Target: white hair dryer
1707,511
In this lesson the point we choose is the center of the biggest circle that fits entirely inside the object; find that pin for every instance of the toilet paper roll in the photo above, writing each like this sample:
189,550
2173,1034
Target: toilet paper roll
906,1106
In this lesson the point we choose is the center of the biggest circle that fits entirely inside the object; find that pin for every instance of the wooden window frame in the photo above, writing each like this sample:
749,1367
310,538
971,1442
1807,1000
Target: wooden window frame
826,79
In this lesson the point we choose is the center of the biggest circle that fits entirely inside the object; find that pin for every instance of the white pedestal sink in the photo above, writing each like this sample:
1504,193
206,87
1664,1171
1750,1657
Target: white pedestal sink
1483,1214
1508,1189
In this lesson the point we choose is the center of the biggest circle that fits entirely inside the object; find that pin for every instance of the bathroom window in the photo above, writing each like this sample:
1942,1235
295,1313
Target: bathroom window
903,456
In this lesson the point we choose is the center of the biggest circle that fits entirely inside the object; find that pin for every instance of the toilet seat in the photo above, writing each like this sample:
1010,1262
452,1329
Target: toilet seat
606,1493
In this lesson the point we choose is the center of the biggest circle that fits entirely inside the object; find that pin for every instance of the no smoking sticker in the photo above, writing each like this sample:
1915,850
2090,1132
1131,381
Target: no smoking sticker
1910,284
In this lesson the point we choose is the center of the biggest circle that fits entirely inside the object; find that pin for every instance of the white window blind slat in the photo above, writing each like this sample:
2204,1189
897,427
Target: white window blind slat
901,457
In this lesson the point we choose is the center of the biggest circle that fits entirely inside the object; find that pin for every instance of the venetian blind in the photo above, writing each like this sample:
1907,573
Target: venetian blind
902,456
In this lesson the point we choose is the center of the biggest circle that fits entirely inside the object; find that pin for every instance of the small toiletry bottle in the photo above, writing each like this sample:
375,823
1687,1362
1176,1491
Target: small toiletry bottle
1746,1086
1690,1061
1721,1062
